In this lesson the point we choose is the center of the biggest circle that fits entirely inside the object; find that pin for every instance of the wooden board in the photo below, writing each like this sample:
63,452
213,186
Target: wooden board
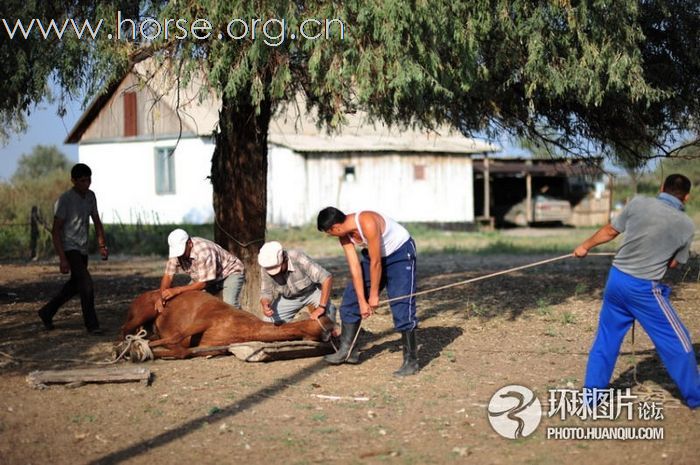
284,350
90,375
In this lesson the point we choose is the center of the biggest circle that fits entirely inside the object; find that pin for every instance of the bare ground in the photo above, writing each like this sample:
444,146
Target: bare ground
532,328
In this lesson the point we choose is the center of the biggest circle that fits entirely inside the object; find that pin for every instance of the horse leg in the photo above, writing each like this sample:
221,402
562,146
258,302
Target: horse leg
171,351
307,330
172,340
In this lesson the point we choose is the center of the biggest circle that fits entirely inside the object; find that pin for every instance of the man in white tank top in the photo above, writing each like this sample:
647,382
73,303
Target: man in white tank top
389,260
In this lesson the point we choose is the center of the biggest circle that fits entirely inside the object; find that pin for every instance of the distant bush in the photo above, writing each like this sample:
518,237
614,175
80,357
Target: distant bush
650,183
145,239
16,202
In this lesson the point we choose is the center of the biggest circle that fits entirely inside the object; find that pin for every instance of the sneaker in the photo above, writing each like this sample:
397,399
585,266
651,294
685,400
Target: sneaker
48,324
95,331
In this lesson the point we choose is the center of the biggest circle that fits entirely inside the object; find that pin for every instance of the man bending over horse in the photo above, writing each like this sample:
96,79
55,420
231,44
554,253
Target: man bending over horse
211,267
291,280
389,260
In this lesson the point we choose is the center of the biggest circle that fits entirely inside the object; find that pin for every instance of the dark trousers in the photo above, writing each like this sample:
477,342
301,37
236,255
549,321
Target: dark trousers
399,279
80,282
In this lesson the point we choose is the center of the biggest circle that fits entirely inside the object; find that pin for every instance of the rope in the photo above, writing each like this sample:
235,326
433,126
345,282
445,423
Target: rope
241,244
488,276
324,329
472,280
648,394
137,346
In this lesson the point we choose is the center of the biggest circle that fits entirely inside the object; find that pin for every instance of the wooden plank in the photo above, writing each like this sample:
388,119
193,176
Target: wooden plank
256,351
90,375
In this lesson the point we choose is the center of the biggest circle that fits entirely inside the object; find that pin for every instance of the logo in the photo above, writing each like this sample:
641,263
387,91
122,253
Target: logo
514,411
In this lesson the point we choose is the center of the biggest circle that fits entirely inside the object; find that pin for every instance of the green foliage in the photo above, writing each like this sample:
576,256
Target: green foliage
625,76
146,239
42,161
689,167
16,202
650,183
40,178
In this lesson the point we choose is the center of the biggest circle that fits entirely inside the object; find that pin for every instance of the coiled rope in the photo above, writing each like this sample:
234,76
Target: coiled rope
137,347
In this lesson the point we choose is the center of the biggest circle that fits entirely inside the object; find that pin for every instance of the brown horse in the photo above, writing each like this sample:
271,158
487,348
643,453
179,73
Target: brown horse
198,319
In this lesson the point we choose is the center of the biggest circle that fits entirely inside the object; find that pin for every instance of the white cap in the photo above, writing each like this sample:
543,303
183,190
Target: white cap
177,240
271,257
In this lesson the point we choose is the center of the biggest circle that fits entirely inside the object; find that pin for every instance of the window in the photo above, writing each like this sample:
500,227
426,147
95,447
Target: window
130,128
165,170
349,173
419,172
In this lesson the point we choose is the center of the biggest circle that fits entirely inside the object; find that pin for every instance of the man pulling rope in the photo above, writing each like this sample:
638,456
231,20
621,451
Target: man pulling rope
658,236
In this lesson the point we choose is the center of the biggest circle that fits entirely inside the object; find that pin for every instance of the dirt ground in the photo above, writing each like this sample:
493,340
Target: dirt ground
532,328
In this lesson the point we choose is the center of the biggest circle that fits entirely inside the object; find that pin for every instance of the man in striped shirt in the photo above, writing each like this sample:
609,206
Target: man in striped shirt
211,268
289,281
657,236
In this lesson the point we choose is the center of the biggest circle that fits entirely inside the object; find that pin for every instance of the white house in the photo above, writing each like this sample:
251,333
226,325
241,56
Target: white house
127,135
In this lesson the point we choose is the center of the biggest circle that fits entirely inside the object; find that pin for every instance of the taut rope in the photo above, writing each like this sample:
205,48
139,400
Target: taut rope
472,280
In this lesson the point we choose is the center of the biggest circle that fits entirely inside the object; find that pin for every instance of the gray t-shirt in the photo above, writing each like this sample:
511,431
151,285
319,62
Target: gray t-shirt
75,211
654,233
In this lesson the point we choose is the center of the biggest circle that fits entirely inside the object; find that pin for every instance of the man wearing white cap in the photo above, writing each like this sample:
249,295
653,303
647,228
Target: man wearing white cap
211,267
291,280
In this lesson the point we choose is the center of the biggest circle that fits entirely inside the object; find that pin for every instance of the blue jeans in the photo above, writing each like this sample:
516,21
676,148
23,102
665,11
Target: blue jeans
286,308
229,289
399,279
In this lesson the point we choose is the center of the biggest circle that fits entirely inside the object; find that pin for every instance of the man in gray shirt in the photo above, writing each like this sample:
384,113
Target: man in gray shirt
291,280
657,236
71,223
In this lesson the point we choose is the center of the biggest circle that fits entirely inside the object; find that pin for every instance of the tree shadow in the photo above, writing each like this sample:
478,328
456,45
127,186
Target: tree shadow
149,444
25,345
650,368
512,295
431,342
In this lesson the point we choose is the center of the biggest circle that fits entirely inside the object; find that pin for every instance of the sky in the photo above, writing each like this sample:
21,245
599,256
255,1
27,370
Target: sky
44,127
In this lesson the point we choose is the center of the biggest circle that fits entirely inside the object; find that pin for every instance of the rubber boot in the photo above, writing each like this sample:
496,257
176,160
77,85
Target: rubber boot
347,336
410,359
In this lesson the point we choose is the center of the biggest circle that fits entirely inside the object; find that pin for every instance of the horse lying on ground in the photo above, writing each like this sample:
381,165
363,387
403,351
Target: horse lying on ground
196,319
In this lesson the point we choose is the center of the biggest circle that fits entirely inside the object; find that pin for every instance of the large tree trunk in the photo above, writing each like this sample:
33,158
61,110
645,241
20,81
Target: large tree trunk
239,179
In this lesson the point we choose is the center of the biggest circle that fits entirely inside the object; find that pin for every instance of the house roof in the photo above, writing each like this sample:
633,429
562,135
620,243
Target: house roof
289,128
539,167
411,141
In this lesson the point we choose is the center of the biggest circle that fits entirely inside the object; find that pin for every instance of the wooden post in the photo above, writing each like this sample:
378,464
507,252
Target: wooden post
528,198
610,201
487,188
33,232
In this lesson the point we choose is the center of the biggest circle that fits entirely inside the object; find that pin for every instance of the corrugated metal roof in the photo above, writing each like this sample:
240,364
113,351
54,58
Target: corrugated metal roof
409,141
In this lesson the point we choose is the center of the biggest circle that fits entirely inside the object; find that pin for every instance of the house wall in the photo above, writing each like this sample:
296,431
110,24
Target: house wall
299,185
155,117
382,181
123,179
287,187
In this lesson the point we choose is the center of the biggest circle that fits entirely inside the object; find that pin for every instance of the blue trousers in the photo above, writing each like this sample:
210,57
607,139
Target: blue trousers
398,277
627,299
